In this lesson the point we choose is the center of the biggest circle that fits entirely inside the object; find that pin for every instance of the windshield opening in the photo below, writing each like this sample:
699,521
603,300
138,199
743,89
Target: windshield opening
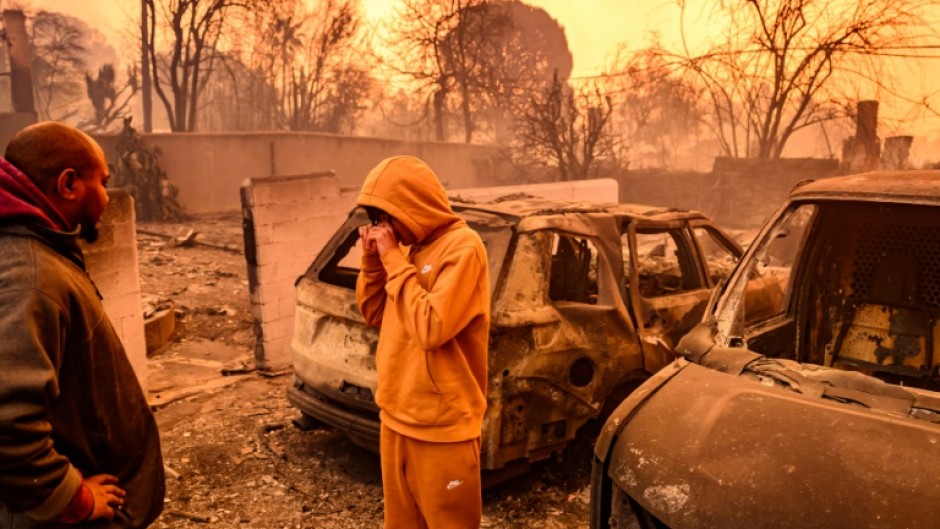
848,285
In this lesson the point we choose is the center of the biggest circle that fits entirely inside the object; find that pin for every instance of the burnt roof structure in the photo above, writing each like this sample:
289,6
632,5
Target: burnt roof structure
516,208
914,187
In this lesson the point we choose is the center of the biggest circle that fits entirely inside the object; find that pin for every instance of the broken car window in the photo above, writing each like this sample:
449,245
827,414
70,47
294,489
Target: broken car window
573,275
769,283
719,261
343,267
664,265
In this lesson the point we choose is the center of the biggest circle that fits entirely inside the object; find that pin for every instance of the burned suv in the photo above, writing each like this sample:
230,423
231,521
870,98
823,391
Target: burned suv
806,397
587,301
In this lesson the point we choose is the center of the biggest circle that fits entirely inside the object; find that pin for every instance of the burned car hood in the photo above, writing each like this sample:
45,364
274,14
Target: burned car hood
732,437
847,387
711,449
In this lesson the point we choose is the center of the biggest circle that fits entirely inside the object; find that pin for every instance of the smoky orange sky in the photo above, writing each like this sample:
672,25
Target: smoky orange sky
594,29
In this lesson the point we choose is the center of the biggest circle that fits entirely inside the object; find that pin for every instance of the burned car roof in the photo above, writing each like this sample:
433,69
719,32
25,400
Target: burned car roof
516,207
887,186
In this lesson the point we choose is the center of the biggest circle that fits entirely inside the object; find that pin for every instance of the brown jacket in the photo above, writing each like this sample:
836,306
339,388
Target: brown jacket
69,399
432,305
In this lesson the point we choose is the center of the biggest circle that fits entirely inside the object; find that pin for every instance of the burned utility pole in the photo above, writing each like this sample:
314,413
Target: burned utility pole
145,90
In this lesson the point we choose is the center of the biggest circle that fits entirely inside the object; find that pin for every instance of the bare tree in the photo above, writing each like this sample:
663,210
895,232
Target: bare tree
398,114
59,62
476,52
567,129
238,96
780,62
529,49
323,84
190,31
656,111
475,59
303,65
109,102
437,44
240,92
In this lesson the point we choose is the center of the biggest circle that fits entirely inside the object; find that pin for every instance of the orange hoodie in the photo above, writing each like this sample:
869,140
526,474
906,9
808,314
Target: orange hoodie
432,305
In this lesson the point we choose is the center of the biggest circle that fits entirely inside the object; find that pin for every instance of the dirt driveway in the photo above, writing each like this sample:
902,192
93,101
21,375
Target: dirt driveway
237,460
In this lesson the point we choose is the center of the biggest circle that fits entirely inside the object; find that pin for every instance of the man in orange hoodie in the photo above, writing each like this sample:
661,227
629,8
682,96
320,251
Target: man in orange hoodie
431,300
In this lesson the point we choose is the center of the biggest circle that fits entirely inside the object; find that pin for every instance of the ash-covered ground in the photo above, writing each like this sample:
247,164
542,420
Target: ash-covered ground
237,460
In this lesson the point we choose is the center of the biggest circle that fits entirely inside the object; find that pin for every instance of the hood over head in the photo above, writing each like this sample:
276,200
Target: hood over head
408,190
21,199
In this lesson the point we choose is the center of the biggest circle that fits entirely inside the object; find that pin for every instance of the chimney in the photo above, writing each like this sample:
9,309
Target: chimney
21,56
863,152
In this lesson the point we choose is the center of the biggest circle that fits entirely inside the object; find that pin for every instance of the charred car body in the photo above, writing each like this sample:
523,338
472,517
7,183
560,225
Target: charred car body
587,300
811,403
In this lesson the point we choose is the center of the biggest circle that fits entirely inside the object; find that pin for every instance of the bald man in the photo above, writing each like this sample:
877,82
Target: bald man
78,442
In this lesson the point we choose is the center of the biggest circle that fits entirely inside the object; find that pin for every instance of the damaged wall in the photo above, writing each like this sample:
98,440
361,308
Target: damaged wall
738,193
112,264
209,168
286,221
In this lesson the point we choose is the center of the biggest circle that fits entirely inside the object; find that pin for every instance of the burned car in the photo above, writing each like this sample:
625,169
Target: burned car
806,397
587,301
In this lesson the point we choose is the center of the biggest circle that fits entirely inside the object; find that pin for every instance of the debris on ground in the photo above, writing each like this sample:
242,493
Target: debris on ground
188,237
239,456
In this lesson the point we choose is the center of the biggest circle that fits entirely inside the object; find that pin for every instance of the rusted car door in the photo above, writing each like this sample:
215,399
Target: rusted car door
667,288
562,338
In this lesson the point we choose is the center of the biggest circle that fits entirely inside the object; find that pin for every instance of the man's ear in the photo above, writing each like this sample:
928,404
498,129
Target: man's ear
65,184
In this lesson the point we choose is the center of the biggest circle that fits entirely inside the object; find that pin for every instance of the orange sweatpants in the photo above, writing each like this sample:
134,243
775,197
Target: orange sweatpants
430,485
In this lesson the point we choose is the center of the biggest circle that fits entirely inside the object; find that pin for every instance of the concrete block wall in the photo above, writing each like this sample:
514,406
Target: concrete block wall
287,221
112,264
738,193
208,168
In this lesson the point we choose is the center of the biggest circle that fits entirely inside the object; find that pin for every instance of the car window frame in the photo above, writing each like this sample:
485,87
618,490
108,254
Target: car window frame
604,300
692,265
722,240
729,300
